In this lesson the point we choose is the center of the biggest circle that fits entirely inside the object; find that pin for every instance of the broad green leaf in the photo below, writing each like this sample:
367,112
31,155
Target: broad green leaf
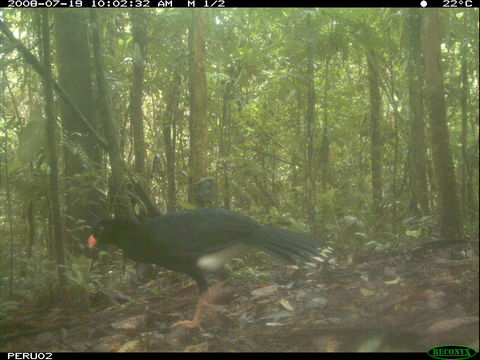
414,233
186,205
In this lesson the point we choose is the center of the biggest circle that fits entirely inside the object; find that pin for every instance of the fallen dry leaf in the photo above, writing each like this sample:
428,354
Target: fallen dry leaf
128,324
286,305
392,282
133,345
265,291
367,292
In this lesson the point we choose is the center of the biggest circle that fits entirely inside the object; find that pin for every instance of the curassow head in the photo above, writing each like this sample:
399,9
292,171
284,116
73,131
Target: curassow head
110,232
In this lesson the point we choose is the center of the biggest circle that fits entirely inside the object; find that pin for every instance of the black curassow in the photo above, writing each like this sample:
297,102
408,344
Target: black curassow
201,241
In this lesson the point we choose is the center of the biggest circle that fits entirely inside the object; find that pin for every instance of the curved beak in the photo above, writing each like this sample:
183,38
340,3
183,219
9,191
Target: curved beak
91,242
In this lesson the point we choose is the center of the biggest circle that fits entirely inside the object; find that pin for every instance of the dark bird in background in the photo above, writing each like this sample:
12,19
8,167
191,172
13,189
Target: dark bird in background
201,241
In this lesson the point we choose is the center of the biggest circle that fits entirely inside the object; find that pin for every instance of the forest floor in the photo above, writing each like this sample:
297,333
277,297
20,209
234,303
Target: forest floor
408,299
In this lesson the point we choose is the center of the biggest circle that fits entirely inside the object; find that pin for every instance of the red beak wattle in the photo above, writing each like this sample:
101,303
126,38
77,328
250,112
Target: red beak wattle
91,242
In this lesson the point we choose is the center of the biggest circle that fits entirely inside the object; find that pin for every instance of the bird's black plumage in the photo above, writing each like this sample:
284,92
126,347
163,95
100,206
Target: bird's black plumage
202,240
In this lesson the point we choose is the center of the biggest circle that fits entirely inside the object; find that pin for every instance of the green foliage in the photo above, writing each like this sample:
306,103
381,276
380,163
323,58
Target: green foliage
186,205
420,228
79,273
240,268
38,282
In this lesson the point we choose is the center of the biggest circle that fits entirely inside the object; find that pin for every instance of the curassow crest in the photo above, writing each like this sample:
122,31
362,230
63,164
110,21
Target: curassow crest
201,241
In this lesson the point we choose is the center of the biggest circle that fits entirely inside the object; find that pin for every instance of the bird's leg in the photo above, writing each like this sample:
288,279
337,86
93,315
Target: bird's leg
212,294
216,291
206,299
190,324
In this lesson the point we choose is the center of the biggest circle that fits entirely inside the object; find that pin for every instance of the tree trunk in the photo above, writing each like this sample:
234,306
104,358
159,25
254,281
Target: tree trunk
8,204
52,144
310,168
467,194
325,145
75,77
38,68
136,92
415,69
473,176
376,139
463,136
298,143
449,209
198,102
31,230
224,144
169,128
118,190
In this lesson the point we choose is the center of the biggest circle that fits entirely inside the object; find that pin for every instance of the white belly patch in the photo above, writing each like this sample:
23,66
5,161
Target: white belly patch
213,262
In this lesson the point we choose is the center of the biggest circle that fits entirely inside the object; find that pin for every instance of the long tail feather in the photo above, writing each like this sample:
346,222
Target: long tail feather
286,245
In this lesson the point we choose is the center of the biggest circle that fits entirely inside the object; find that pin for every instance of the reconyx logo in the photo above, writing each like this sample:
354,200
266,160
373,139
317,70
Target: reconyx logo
446,352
